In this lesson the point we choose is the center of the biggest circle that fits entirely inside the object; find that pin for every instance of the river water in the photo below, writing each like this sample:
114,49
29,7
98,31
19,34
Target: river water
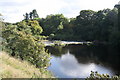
77,61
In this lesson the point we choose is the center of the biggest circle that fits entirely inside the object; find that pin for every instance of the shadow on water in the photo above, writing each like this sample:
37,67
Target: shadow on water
78,60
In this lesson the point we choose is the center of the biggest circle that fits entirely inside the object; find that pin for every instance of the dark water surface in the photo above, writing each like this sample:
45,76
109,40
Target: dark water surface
77,61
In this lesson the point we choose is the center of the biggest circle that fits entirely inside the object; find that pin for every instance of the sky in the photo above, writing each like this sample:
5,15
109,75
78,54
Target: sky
13,10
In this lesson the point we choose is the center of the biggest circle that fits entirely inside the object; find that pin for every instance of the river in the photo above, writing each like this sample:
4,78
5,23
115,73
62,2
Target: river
77,61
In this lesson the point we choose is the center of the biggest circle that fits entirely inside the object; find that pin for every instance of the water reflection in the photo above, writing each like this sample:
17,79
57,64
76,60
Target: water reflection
77,61
67,66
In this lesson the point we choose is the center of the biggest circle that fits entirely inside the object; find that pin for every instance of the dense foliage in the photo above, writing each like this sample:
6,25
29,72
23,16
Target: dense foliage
100,26
53,24
23,40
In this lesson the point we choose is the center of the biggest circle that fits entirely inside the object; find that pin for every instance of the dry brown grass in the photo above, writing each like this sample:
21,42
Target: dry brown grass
16,68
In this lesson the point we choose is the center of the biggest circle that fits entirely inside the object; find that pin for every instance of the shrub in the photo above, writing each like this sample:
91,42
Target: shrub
25,45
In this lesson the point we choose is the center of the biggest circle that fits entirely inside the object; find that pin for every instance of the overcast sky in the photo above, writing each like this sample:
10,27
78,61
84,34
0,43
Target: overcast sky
13,10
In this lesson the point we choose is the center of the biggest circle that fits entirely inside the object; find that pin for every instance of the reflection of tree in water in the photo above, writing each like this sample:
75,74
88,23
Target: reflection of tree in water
57,50
88,53
101,54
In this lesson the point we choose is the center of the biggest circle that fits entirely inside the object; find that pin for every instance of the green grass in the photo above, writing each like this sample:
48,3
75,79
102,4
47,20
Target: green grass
15,68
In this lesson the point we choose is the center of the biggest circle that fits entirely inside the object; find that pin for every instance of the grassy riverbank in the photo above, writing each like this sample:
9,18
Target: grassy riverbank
15,68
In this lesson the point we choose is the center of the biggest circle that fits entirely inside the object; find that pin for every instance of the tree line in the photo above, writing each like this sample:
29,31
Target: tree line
89,25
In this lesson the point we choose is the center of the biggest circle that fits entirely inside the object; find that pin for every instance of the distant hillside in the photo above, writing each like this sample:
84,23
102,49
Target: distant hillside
15,68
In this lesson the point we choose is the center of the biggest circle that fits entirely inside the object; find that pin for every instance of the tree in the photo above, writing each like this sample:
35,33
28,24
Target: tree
92,26
53,23
26,16
31,15
84,25
25,45
114,38
35,27
35,15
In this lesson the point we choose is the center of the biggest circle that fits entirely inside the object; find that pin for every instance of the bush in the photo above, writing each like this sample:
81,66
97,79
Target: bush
19,43
97,76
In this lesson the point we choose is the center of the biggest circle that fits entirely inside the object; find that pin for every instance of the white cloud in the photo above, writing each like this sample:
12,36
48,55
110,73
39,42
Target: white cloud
70,67
13,10
67,66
